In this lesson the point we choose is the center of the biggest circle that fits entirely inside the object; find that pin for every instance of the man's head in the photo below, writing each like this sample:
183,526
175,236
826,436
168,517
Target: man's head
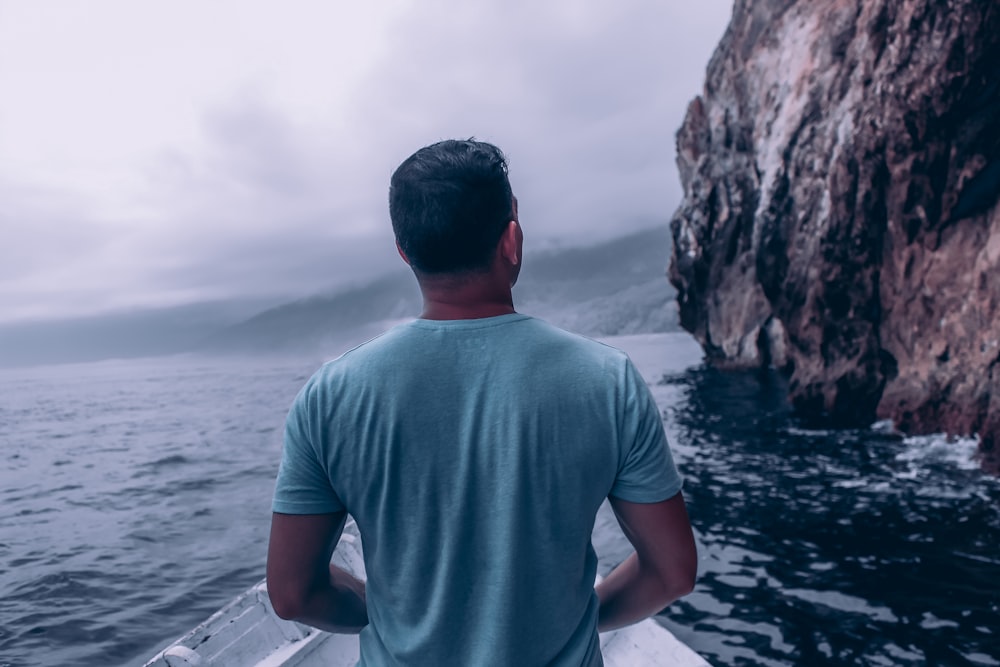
450,203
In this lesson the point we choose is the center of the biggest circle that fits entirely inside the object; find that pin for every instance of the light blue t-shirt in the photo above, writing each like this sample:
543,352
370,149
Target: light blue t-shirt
474,455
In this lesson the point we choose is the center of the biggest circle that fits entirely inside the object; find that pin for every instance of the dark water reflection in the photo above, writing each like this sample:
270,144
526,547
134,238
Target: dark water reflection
831,547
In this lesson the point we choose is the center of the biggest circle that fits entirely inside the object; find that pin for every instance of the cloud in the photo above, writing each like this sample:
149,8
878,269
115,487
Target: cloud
584,98
264,171
46,245
267,208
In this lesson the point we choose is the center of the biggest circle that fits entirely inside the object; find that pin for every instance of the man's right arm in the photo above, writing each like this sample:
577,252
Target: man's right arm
662,569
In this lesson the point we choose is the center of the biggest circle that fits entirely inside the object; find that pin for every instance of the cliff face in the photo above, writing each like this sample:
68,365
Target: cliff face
841,174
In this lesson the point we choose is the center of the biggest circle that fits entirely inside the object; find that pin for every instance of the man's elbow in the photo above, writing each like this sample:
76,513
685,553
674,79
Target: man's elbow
679,580
684,583
688,575
675,586
285,604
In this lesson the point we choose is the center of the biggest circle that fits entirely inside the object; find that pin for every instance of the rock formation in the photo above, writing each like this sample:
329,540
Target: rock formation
841,174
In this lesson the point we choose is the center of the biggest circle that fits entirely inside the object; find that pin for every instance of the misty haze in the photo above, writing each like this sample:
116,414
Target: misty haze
615,287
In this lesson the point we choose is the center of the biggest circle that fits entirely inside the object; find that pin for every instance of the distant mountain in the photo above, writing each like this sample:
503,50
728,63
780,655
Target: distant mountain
324,321
615,287
135,333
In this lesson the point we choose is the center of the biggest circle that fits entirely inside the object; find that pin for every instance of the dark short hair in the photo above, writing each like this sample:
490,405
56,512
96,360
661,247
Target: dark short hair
449,204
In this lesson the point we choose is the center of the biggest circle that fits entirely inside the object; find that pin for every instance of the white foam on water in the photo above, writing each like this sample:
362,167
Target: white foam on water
958,451
809,432
884,426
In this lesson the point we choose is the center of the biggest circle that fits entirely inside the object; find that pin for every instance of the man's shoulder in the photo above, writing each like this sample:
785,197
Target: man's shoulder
369,348
355,360
578,342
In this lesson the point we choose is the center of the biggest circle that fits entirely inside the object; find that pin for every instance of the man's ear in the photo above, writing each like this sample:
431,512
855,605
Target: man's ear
402,254
510,243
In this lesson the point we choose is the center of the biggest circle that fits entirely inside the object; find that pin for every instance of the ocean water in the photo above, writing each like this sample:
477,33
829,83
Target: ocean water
134,502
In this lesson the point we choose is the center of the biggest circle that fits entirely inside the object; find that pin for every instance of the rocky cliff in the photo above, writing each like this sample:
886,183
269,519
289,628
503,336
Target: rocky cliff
841,173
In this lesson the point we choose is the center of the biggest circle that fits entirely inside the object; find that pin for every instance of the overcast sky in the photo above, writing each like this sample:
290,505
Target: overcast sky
163,152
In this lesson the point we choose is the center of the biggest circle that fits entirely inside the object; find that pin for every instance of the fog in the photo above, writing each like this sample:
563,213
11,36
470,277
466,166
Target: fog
166,154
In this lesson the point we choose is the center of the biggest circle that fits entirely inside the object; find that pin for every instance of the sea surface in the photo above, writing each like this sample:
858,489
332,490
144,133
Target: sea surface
135,501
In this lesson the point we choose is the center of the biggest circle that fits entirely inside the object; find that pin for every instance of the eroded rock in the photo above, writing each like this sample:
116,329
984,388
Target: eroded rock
841,174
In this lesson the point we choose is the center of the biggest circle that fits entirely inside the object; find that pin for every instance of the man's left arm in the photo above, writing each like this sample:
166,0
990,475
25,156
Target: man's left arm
301,582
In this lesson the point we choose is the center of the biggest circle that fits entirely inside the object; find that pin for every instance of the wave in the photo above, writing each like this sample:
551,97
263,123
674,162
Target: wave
939,448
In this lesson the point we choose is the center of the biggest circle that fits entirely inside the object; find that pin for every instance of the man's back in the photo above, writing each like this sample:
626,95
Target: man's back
474,446
474,454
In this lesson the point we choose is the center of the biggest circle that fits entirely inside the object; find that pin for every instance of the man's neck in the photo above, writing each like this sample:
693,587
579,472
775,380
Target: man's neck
445,299
441,311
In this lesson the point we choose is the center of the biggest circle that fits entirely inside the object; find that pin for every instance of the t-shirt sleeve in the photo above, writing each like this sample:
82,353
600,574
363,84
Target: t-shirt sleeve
303,486
646,470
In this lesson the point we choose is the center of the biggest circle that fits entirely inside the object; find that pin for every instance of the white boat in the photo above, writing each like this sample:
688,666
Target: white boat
247,633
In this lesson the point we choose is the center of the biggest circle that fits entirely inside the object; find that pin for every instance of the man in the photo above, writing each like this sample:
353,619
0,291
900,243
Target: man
473,446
